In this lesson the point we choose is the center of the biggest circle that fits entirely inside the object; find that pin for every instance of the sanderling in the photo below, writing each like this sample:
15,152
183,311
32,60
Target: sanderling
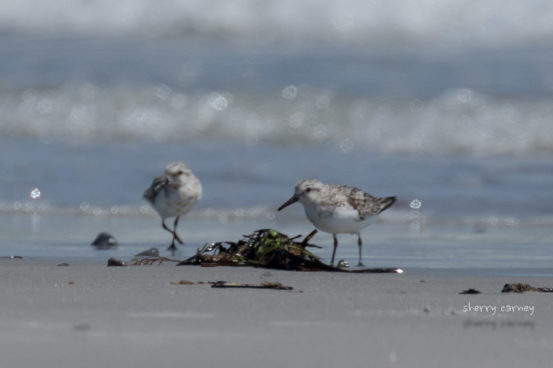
173,194
338,209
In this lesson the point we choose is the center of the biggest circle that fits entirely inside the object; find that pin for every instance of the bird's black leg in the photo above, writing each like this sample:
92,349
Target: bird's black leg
172,247
360,244
175,231
334,251
165,226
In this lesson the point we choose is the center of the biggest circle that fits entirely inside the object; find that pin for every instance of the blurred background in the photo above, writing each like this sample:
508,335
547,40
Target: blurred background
445,104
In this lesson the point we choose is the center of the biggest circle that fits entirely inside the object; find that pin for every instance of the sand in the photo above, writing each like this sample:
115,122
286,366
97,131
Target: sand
89,315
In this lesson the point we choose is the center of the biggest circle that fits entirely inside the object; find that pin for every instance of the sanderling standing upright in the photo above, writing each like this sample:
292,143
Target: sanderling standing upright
173,194
338,208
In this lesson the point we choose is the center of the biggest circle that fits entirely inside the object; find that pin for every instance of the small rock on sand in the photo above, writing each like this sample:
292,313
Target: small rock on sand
114,262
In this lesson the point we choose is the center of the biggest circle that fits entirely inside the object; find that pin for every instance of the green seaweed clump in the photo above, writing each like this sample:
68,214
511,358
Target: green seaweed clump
270,248
263,248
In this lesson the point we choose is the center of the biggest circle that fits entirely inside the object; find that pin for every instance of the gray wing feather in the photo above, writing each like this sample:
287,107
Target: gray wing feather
158,184
368,205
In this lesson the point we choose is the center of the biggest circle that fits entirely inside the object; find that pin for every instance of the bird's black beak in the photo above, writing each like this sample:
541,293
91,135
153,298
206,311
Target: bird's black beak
294,199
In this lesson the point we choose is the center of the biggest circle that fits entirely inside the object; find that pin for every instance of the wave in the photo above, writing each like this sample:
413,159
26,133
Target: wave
86,209
459,121
431,22
415,220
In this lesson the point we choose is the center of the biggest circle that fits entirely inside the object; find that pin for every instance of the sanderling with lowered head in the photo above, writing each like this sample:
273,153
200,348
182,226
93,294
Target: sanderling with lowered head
338,209
173,194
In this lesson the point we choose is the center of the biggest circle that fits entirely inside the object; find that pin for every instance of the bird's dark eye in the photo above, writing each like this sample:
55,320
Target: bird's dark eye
307,190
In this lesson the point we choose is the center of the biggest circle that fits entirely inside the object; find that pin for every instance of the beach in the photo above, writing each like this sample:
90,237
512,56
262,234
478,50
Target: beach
87,314
423,101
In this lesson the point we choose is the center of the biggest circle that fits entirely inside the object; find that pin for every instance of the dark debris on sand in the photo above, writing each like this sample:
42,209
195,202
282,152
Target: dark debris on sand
234,285
470,291
104,241
266,248
263,285
269,248
114,262
522,287
147,261
182,282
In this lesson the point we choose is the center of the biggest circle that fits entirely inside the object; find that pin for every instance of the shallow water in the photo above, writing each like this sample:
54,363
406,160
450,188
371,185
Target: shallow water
476,212
461,122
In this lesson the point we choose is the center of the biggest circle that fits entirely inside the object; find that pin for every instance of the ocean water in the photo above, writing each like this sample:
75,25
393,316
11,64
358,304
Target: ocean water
422,100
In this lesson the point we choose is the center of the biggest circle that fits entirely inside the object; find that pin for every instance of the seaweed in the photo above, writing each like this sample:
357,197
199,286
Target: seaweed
266,248
263,285
470,291
147,261
235,285
269,248
522,287
182,282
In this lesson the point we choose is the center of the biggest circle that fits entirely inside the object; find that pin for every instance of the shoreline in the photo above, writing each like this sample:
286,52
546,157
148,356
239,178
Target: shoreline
537,272
86,314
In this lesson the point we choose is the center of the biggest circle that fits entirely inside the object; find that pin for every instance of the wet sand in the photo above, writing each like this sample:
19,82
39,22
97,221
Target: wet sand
89,315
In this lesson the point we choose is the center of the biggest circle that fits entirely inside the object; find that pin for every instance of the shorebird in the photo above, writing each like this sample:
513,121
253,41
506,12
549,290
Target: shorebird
173,194
338,209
